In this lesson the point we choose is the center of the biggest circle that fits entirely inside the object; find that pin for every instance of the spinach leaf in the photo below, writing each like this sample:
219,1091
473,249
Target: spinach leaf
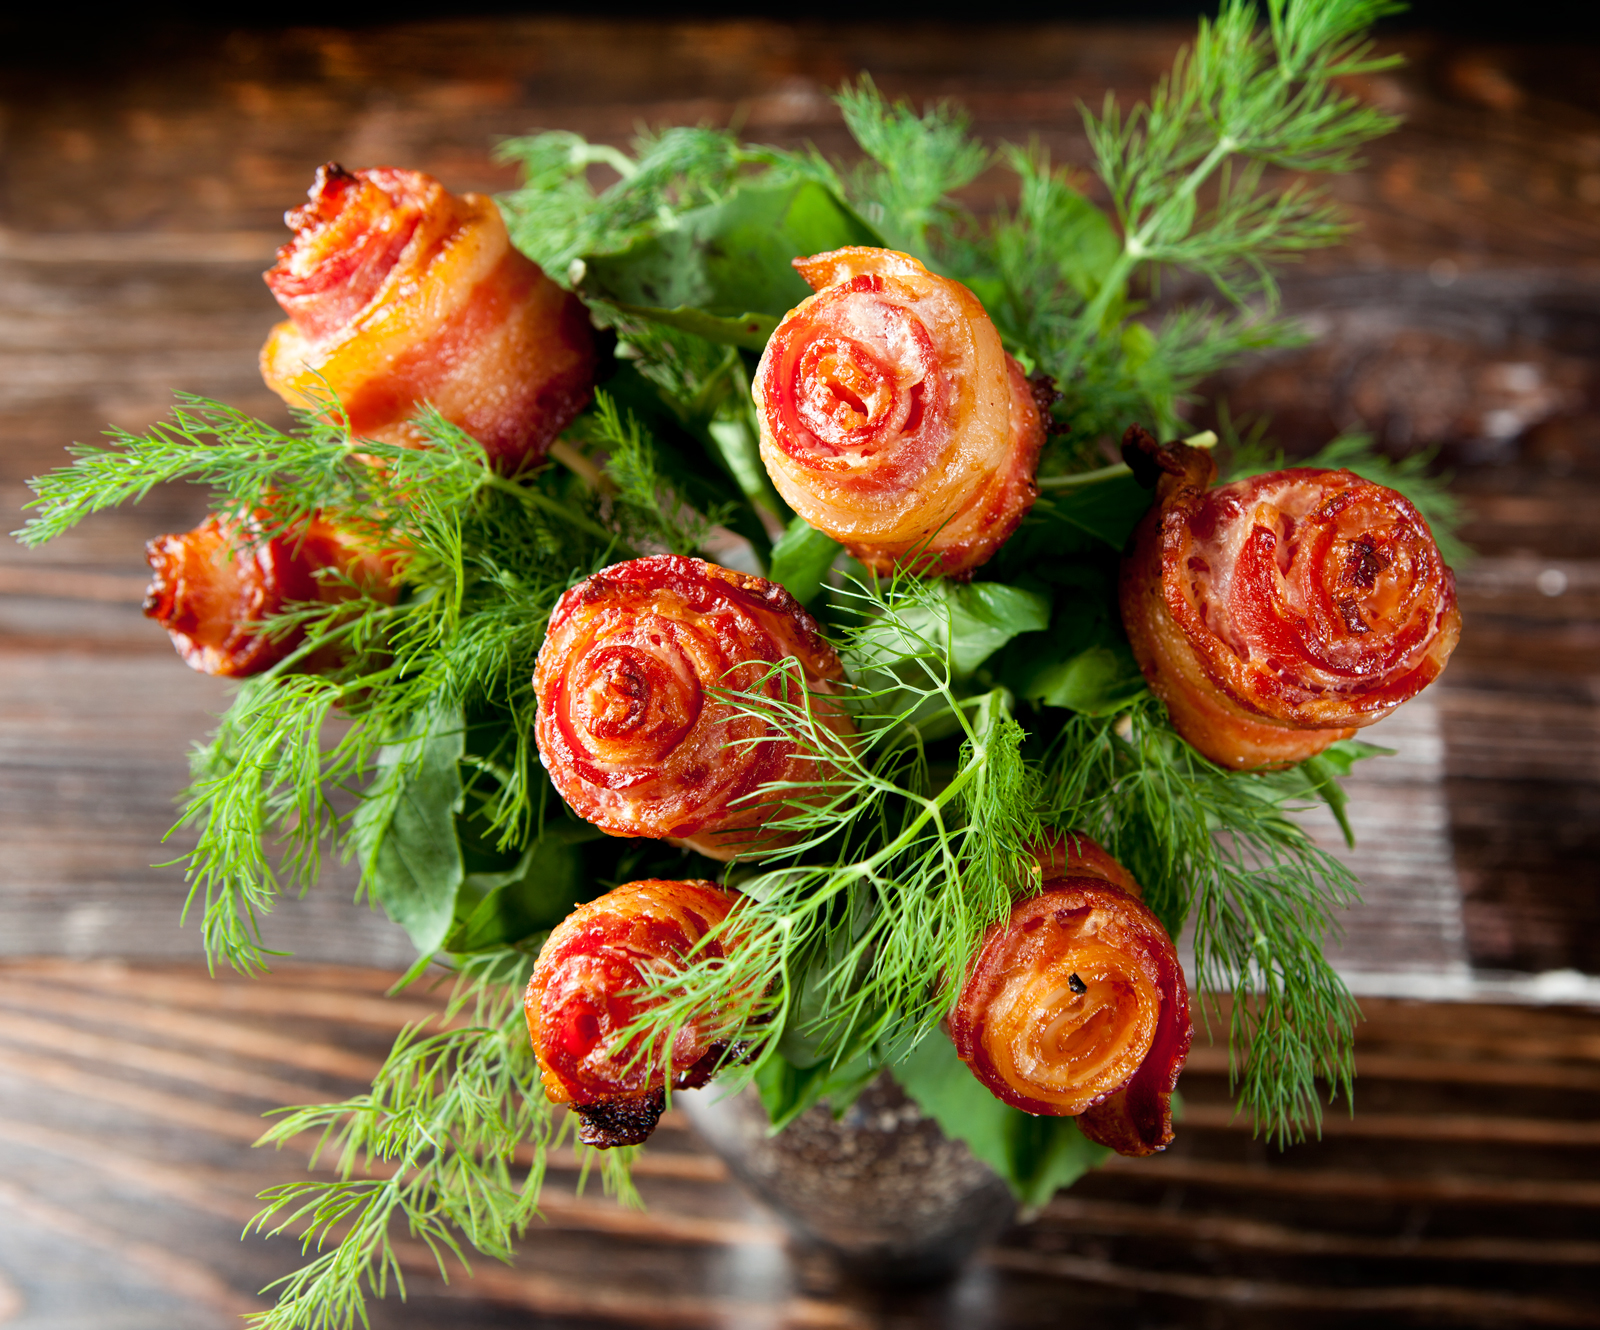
1036,1156
722,272
404,832
1108,511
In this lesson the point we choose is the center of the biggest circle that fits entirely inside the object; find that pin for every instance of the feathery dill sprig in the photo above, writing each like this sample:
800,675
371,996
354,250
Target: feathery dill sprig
1218,849
451,1142
483,557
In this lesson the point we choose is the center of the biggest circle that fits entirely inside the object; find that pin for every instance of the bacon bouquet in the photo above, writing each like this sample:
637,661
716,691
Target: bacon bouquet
892,418
636,725
400,293
586,991
691,716
1077,1007
1277,615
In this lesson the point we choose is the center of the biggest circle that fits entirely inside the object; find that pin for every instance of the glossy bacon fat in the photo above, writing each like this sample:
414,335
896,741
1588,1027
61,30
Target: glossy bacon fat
585,992
399,292
891,417
630,725
1278,614
212,588
1077,1005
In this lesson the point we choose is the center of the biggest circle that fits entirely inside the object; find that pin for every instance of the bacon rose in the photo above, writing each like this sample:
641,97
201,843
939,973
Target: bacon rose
1279,614
399,292
212,588
1077,1005
584,994
892,418
630,726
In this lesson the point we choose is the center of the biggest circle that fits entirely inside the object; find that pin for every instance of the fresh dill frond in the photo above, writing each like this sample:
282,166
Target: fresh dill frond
450,1144
915,162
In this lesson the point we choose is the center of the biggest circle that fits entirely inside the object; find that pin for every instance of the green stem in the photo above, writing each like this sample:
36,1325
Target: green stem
1135,247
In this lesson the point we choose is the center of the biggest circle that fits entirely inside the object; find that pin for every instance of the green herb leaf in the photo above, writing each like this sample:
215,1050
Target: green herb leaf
1036,1156
801,559
508,908
405,833
722,272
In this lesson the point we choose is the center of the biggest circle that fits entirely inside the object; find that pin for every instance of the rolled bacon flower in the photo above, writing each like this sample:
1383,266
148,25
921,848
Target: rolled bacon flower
1077,1005
399,293
214,587
585,991
1279,614
634,724
892,418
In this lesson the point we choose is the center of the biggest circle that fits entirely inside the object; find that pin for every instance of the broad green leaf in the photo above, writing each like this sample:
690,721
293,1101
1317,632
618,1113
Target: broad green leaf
1098,681
801,559
787,1090
404,831
1036,1156
972,622
723,272
510,907
1109,511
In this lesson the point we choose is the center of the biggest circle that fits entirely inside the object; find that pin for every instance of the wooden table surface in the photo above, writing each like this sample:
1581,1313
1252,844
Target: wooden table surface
140,200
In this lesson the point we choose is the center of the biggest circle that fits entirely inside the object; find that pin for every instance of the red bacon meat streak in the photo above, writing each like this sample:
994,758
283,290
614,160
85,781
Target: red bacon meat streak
1077,1005
892,418
1279,614
584,993
630,725
399,292
213,587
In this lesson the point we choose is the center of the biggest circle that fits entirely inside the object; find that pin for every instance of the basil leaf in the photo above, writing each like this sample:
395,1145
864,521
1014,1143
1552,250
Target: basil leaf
723,272
1036,1156
1098,681
801,559
404,832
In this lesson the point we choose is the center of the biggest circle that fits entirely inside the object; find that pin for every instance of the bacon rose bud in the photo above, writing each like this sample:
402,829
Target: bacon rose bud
212,588
585,992
892,418
631,725
399,292
1077,1005
1279,614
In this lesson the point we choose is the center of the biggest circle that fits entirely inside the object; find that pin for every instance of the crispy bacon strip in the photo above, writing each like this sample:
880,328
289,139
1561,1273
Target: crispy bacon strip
1077,1005
891,417
1279,614
585,992
213,587
630,725
399,292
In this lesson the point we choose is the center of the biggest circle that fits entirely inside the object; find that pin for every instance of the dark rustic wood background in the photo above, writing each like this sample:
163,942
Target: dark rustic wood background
140,197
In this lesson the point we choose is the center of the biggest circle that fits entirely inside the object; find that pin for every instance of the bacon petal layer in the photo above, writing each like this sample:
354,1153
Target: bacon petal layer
399,292
630,725
892,418
1279,614
213,587
585,992
1077,1005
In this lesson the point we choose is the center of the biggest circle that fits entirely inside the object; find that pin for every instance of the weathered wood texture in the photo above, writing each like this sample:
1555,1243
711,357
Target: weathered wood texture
1464,1192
